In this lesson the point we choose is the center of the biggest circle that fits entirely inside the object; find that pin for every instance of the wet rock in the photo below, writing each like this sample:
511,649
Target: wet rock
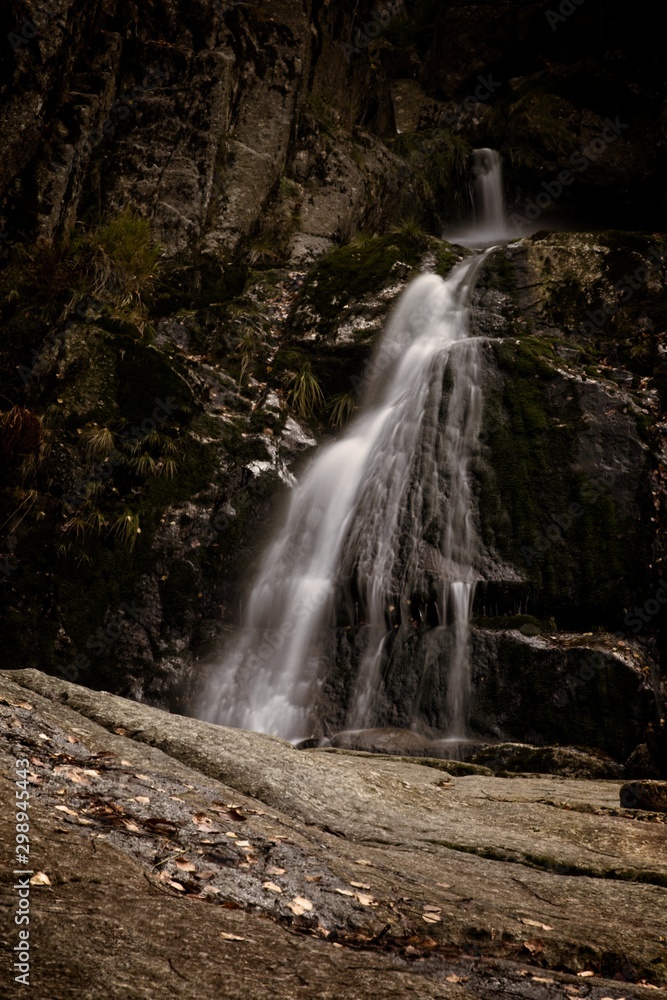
386,741
565,761
650,795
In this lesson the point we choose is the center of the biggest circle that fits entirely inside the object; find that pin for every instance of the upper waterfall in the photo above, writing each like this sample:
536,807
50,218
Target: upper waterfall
490,224
356,523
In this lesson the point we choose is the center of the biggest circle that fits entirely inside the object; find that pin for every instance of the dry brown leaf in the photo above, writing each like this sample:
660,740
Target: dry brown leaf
344,892
65,809
535,923
176,885
271,886
206,875
273,870
231,834
360,885
453,978
129,825
541,979
586,973
432,909
243,843
445,885
432,918
91,773
41,878
144,799
300,905
71,739
84,822
184,865
232,937
365,900
362,861
533,946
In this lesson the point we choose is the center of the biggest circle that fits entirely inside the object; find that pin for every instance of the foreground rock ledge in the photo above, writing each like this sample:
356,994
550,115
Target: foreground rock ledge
186,860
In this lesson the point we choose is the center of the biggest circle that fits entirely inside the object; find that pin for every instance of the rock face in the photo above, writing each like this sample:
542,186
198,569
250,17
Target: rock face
172,185
458,887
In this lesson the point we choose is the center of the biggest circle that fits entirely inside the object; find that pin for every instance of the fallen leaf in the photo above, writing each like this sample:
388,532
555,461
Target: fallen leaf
313,878
71,739
432,918
73,774
206,875
176,885
344,892
586,973
233,813
272,870
360,885
541,979
535,923
89,771
41,878
129,825
362,861
365,900
175,798
144,799
300,905
445,885
271,886
243,843
64,809
84,822
184,865
534,946
453,978
121,731
432,909
232,937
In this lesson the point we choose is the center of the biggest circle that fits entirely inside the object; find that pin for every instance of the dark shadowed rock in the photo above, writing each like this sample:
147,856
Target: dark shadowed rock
651,795
565,761
640,764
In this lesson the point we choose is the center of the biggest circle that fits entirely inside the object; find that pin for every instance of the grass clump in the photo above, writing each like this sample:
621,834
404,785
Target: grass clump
304,393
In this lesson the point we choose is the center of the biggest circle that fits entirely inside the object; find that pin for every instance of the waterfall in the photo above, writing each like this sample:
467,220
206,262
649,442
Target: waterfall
359,515
491,224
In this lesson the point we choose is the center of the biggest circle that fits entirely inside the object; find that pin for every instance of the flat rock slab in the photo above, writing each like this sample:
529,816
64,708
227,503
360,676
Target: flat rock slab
344,875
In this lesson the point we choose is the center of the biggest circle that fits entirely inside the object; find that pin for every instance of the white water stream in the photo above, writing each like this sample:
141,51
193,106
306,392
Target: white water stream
360,514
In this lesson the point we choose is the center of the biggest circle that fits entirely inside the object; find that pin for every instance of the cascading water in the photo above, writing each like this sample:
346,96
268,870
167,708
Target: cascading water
360,515
491,224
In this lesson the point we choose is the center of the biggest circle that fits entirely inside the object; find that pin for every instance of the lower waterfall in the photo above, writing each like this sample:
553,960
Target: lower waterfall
355,527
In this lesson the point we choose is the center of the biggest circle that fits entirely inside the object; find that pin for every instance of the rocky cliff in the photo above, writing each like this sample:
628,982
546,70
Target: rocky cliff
208,212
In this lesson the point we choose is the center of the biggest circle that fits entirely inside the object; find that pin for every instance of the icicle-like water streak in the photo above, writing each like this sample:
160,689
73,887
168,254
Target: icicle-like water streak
345,517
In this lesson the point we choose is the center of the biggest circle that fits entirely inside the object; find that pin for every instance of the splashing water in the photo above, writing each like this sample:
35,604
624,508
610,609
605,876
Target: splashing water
359,514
